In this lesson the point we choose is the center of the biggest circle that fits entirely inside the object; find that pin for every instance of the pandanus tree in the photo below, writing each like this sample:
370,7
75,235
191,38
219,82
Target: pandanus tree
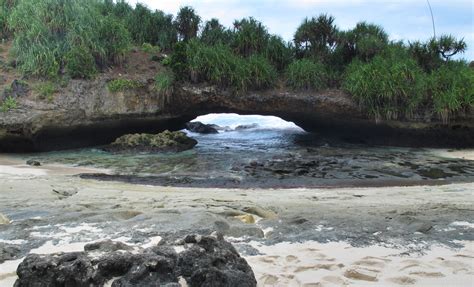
431,54
364,42
251,36
214,33
187,23
316,36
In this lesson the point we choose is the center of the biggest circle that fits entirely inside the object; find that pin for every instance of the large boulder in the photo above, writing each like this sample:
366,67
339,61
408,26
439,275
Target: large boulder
205,261
200,128
163,142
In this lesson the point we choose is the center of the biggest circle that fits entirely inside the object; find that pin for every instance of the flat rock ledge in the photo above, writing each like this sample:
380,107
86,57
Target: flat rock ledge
202,261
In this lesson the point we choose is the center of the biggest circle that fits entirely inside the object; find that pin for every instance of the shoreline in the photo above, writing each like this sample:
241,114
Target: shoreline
296,237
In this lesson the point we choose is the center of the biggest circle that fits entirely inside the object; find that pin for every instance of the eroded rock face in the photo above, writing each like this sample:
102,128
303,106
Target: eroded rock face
163,142
205,261
85,113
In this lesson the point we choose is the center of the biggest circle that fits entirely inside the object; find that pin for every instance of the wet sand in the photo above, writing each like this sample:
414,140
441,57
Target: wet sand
393,236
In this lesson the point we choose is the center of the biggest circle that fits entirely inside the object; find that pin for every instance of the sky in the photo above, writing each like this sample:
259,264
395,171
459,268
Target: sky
402,19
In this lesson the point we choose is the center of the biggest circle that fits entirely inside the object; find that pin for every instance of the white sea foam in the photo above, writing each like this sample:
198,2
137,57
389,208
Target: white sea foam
234,120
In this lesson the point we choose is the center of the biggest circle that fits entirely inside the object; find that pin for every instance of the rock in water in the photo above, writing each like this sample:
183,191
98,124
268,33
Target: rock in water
33,162
163,142
198,127
8,252
205,261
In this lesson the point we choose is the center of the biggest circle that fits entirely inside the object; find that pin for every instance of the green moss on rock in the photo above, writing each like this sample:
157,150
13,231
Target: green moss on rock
165,141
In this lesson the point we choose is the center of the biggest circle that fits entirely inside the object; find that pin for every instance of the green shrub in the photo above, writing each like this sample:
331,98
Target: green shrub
178,61
50,33
6,7
150,49
305,74
46,90
115,40
218,65
8,104
452,89
390,86
145,26
164,83
278,52
80,63
120,85
262,73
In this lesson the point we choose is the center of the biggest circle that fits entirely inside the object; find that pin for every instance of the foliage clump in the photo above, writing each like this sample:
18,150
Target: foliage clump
46,90
121,85
306,74
52,36
218,65
9,103
164,82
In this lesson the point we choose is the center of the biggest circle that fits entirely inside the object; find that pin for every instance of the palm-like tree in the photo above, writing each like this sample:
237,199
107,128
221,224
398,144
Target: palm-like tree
187,23
316,36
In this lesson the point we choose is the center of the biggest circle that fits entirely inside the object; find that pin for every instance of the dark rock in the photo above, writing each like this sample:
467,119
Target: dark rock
301,171
33,162
107,246
198,127
213,261
246,127
206,261
8,252
18,89
65,191
63,269
163,142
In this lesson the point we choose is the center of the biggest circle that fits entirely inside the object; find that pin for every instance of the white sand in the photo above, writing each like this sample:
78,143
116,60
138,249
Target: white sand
339,264
331,264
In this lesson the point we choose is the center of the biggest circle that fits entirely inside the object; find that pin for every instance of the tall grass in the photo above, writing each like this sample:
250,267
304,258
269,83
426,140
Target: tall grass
306,74
146,26
451,88
51,36
391,86
218,65
6,7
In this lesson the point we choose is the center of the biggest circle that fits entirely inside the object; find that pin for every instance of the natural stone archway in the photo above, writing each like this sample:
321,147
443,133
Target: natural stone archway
87,114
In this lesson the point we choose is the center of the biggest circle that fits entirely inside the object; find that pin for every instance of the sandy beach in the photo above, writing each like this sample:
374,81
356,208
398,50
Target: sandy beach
396,236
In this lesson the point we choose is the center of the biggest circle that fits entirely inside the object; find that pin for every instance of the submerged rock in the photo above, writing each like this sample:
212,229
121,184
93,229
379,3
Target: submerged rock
33,162
8,252
205,261
198,127
163,142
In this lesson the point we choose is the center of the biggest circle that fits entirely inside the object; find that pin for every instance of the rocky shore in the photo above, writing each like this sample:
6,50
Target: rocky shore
366,236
